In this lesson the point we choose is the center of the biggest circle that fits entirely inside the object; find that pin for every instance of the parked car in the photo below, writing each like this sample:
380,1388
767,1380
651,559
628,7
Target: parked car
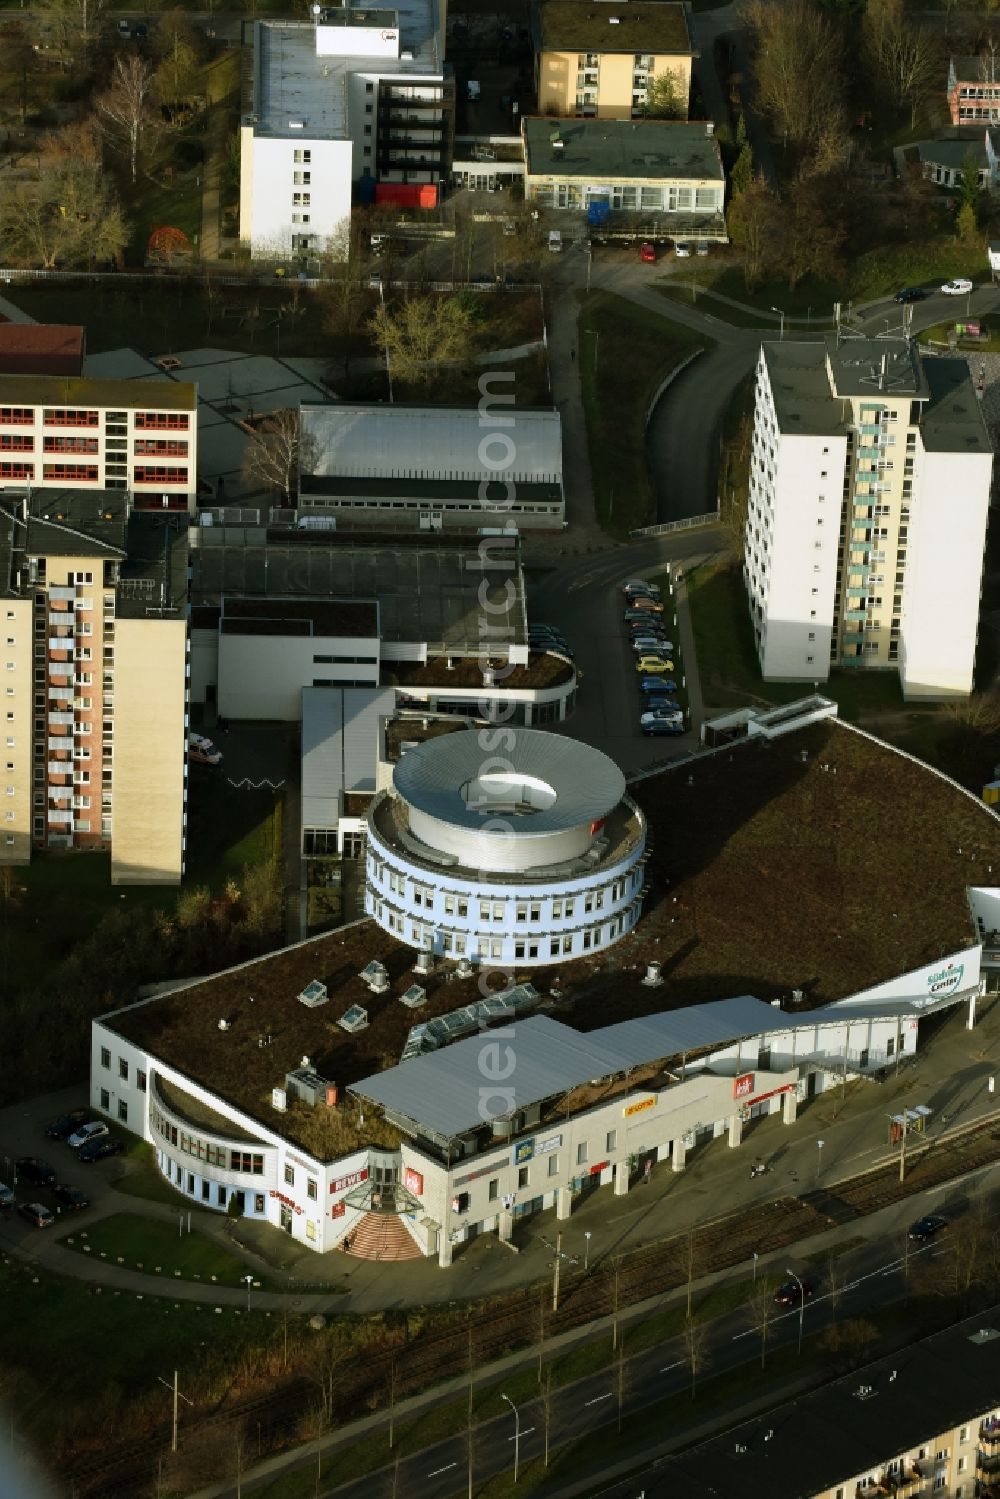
203,751
100,1149
645,602
682,250
30,1168
124,30
71,1197
654,663
661,715
555,241
141,31
792,1292
60,1128
87,1132
647,253
701,249
655,701
657,684
639,585
642,644
662,726
958,287
911,294
38,1214
6,1196
647,634
926,1228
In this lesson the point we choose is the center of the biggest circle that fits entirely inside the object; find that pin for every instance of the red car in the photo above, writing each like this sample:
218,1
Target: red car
790,1295
647,252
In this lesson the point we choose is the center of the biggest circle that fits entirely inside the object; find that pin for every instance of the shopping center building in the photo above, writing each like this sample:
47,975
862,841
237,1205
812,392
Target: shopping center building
357,1093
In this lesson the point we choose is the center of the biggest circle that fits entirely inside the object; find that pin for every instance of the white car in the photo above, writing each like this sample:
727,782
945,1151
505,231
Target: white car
957,288
555,241
682,251
86,1132
661,716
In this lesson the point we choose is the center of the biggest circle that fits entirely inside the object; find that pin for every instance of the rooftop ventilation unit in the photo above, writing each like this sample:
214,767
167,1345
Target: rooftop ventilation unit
424,964
463,969
653,977
376,977
279,1099
223,1024
305,1086
314,994
414,997
353,1020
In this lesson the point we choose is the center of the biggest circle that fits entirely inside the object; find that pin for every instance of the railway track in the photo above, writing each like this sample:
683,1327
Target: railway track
502,1326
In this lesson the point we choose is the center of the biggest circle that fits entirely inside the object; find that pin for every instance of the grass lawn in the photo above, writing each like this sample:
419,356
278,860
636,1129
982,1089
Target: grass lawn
625,353
940,332
228,829
727,660
141,1178
707,298
157,1248
921,262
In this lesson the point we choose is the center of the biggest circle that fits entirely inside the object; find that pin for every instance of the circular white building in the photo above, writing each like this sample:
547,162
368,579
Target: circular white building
505,845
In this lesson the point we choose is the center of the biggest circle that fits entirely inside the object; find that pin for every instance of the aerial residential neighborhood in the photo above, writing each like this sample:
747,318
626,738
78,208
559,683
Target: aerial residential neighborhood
500,838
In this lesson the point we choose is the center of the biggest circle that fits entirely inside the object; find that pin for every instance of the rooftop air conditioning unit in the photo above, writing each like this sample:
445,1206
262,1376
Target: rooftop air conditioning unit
653,976
464,969
375,977
279,1099
414,997
223,1024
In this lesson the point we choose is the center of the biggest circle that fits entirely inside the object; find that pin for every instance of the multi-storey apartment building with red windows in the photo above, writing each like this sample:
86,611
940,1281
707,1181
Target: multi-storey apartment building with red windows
136,435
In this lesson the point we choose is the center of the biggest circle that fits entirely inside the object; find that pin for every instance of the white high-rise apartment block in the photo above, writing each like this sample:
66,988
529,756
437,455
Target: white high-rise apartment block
352,103
870,479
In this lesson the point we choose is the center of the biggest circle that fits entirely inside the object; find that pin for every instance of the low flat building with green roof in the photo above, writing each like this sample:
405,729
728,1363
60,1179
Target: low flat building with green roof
670,170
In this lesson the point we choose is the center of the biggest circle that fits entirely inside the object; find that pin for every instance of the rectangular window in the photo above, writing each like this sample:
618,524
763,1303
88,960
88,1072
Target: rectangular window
140,1079
494,1191
522,1176
161,447
611,1143
17,470
105,1057
105,1099
581,1154
289,1176
16,416
77,472
160,474
553,1165
161,421
70,417
123,1068
123,1111
16,442
312,1191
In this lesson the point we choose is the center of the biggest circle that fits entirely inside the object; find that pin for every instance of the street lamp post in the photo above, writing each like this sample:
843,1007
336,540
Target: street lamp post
249,1281
782,317
517,1431
802,1305
756,1256
586,1252
819,1157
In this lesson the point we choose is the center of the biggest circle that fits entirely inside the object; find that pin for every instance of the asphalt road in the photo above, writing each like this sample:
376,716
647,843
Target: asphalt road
583,598
872,1276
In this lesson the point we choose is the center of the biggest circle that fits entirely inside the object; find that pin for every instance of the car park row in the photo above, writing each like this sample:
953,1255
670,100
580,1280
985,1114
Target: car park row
655,655
89,1139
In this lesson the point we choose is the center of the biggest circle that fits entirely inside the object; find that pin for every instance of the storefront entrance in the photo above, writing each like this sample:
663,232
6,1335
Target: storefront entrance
285,1217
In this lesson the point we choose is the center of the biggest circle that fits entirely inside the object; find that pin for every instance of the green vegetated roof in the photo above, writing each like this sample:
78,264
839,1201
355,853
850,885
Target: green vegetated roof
633,26
769,872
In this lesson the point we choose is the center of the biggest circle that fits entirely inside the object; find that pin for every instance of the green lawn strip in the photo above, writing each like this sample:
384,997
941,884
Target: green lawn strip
157,1248
727,661
921,262
624,353
142,1178
119,1343
707,299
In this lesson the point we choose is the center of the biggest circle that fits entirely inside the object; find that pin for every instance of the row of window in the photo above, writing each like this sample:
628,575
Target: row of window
496,910
249,1162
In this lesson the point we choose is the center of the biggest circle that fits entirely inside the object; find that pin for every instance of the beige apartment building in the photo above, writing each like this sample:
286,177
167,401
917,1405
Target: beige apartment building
94,671
601,59
59,432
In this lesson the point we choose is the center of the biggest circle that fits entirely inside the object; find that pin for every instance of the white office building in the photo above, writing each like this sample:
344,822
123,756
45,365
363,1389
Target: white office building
869,492
529,855
355,100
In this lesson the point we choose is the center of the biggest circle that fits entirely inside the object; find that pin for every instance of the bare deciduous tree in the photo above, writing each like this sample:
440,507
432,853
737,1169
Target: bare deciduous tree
124,108
73,23
69,217
902,55
695,1349
420,335
277,453
799,66
760,1312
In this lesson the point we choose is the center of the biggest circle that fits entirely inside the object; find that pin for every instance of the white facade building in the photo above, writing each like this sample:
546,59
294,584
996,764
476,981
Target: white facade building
527,854
539,1142
869,491
137,435
358,99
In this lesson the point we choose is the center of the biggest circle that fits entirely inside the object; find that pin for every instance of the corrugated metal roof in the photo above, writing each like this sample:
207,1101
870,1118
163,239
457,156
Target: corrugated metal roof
427,442
340,727
587,784
448,1092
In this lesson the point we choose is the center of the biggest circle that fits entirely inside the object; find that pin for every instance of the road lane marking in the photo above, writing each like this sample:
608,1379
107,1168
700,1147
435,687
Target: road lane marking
597,1399
445,1469
667,1368
525,1433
